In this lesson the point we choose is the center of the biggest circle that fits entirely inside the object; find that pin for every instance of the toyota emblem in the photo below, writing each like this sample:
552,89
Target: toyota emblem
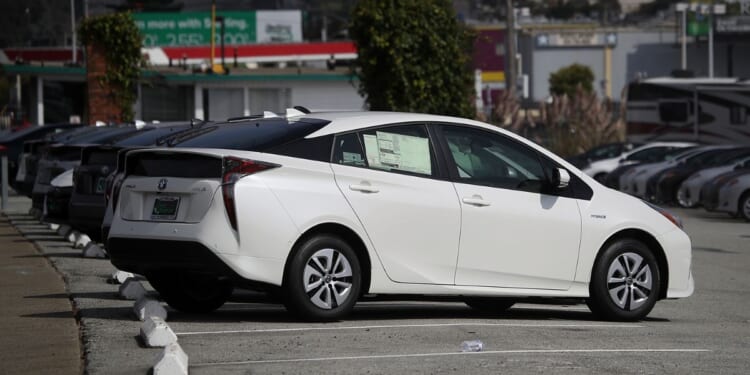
162,184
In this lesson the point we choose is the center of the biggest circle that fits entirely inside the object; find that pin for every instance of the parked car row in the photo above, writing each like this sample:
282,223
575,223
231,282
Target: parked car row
685,175
323,209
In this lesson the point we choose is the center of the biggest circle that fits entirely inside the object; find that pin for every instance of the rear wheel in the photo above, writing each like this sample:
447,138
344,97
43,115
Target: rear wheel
625,281
743,209
323,280
194,293
488,304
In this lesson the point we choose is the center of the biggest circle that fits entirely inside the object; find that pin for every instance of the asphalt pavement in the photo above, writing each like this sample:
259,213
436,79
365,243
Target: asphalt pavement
706,333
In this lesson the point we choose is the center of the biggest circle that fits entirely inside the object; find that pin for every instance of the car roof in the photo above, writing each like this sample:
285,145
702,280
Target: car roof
346,121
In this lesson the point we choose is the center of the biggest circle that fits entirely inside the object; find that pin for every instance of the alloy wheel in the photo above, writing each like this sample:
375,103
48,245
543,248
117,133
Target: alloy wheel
328,278
629,281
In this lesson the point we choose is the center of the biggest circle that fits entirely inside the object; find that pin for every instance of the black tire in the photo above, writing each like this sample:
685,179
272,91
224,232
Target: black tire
489,304
322,268
743,207
193,293
632,298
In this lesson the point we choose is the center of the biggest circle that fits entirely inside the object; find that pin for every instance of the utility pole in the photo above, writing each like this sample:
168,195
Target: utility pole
73,26
511,75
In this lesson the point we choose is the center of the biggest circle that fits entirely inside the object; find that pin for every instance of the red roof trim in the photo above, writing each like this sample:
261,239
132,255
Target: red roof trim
257,50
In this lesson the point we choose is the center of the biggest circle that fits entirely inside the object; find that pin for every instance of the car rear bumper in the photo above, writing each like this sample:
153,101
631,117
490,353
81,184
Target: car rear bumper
87,214
56,204
143,256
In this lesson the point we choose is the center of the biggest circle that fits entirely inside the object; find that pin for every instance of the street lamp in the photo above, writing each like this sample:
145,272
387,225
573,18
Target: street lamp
715,9
704,9
683,8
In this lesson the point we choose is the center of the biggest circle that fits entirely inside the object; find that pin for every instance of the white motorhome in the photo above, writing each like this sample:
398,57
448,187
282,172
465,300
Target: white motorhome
705,110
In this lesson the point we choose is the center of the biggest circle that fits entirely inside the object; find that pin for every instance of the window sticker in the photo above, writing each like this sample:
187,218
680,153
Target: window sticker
353,158
396,151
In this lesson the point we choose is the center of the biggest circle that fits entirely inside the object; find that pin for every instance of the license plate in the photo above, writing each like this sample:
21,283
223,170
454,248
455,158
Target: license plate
100,185
165,208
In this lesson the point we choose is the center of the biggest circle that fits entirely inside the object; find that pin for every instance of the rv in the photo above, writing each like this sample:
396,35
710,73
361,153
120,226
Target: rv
704,110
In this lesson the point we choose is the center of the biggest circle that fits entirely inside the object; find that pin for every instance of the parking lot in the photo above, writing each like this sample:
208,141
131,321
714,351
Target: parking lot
706,333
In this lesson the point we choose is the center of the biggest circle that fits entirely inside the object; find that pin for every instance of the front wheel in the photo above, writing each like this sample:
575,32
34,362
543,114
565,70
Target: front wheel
323,280
625,282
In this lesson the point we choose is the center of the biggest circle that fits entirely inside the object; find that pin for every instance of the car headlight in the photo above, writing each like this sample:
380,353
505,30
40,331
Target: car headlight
666,213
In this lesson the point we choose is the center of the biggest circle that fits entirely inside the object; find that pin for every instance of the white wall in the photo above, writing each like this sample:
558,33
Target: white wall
327,95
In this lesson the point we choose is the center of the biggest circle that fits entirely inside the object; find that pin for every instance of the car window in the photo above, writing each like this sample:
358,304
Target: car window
146,138
605,151
401,148
649,154
348,151
490,159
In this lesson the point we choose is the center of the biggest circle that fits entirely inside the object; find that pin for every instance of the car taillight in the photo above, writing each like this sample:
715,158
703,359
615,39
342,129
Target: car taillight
733,182
235,169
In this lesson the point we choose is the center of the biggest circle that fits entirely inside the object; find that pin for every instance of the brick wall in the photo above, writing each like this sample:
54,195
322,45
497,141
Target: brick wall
101,104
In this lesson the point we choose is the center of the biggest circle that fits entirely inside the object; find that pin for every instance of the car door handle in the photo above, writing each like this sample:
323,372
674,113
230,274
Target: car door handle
476,201
364,188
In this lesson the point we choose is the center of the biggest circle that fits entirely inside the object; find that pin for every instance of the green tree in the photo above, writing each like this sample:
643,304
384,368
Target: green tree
413,57
119,38
566,80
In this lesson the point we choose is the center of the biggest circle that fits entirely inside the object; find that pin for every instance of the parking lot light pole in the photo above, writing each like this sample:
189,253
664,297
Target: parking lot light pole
73,26
713,10
682,9
4,178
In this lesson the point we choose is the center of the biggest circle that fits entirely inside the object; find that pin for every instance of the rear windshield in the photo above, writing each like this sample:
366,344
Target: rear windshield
66,136
148,138
255,135
100,157
35,132
103,135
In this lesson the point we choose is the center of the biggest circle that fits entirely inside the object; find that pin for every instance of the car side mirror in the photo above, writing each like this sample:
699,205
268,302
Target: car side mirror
561,178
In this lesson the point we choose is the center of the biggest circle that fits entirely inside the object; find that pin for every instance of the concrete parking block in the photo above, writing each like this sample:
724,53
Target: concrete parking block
145,308
156,333
73,236
119,277
64,230
92,250
131,290
171,361
81,241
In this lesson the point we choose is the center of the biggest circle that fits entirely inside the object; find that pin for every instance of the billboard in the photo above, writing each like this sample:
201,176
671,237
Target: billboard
737,19
278,26
194,28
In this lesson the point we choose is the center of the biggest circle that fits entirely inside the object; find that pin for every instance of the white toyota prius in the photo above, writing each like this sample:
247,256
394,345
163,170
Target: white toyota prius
323,208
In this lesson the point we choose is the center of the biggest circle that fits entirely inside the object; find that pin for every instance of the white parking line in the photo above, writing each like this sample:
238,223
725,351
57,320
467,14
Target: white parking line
521,325
394,356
